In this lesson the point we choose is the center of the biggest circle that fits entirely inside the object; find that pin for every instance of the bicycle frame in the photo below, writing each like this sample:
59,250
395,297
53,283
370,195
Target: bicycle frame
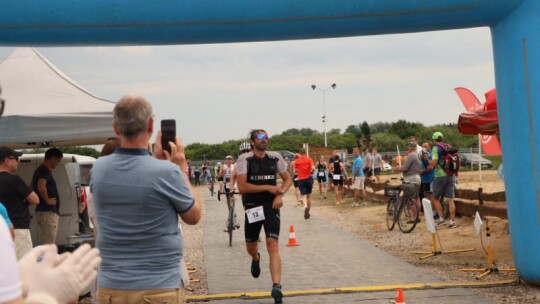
400,205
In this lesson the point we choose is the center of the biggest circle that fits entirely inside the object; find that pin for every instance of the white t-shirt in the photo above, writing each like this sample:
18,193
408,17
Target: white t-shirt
10,283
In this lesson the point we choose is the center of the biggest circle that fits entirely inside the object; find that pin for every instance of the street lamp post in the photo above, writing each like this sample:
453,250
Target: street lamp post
333,86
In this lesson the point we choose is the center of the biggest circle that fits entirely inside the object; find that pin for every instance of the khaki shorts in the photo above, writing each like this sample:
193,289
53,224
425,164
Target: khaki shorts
23,242
358,183
48,226
149,296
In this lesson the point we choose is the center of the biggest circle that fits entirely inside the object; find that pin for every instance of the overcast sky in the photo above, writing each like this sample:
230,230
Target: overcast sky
221,91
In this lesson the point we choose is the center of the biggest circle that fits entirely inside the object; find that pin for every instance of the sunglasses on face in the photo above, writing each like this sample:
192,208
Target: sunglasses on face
262,136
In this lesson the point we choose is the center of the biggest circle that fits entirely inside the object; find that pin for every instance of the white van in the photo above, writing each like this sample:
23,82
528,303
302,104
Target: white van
71,175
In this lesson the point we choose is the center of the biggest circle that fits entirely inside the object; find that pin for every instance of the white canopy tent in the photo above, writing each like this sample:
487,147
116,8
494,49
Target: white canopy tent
44,107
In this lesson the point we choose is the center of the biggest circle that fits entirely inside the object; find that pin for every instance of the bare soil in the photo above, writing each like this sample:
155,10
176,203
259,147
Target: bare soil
369,223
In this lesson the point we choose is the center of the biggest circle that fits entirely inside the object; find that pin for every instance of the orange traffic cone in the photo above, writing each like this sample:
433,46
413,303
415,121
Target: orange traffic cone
400,297
292,237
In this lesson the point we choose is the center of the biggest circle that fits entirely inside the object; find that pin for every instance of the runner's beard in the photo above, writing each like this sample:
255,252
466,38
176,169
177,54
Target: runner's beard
261,146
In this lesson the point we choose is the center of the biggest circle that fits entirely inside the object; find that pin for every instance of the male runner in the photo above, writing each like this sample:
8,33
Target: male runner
257,180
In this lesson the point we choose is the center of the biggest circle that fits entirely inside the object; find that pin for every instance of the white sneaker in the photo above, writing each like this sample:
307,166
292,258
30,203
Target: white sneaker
364,204
355,205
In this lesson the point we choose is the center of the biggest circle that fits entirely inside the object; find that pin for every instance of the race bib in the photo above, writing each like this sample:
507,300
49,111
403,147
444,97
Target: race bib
255,214
227,186
321,174
336,177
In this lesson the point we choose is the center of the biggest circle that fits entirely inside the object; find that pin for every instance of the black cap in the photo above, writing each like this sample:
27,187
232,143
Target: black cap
7,152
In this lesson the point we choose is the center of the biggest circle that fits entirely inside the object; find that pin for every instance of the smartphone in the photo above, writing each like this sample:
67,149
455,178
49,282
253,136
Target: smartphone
168,133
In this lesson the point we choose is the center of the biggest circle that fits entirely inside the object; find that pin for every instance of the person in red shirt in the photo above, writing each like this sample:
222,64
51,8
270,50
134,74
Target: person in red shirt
304,167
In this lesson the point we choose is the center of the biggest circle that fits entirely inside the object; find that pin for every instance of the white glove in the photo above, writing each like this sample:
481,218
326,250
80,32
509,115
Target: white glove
29,267
65,276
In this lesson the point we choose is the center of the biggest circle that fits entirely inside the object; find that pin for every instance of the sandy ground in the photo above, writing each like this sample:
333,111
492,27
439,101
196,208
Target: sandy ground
369,223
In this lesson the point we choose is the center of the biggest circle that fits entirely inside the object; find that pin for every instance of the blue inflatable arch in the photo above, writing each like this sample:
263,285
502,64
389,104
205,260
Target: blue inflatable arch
514,24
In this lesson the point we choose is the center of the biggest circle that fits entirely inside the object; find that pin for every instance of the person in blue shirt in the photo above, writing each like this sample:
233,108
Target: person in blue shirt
358,179
4,214
426,172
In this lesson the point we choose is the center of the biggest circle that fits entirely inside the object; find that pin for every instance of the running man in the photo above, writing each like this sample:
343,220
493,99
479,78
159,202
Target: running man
321,176
263,197
304,166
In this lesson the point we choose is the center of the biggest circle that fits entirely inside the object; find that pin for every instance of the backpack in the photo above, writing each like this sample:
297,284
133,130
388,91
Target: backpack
449,159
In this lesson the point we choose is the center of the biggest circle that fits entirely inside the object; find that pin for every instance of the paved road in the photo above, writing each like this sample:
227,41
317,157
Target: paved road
327,257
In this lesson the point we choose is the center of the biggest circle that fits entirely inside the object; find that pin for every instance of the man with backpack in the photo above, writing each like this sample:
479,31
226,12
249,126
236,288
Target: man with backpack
446,164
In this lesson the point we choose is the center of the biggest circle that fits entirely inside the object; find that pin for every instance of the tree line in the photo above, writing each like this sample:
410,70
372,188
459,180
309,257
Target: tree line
383,135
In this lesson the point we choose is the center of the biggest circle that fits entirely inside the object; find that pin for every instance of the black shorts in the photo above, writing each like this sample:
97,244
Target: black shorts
337,182
271,223
424,188
305,185
368,172
295,183
321,179
377,171
220,179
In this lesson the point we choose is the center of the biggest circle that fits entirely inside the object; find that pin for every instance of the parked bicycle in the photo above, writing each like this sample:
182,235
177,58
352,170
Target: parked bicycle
401,209
231,218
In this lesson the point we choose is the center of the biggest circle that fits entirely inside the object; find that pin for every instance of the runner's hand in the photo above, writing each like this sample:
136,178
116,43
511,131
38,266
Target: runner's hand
278,202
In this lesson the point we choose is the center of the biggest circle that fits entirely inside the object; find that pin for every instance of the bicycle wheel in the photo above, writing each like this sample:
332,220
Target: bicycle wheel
230,224
390,209
407,215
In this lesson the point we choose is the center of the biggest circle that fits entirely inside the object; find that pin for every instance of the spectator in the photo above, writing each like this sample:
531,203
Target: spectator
377,164
48,209
368,165
138,198
15,194
427,173
4,214
411,173
443,184
188,168
358,179
197,176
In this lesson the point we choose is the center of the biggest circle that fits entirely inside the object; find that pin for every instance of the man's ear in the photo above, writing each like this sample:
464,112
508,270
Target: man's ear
116,131
151,125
